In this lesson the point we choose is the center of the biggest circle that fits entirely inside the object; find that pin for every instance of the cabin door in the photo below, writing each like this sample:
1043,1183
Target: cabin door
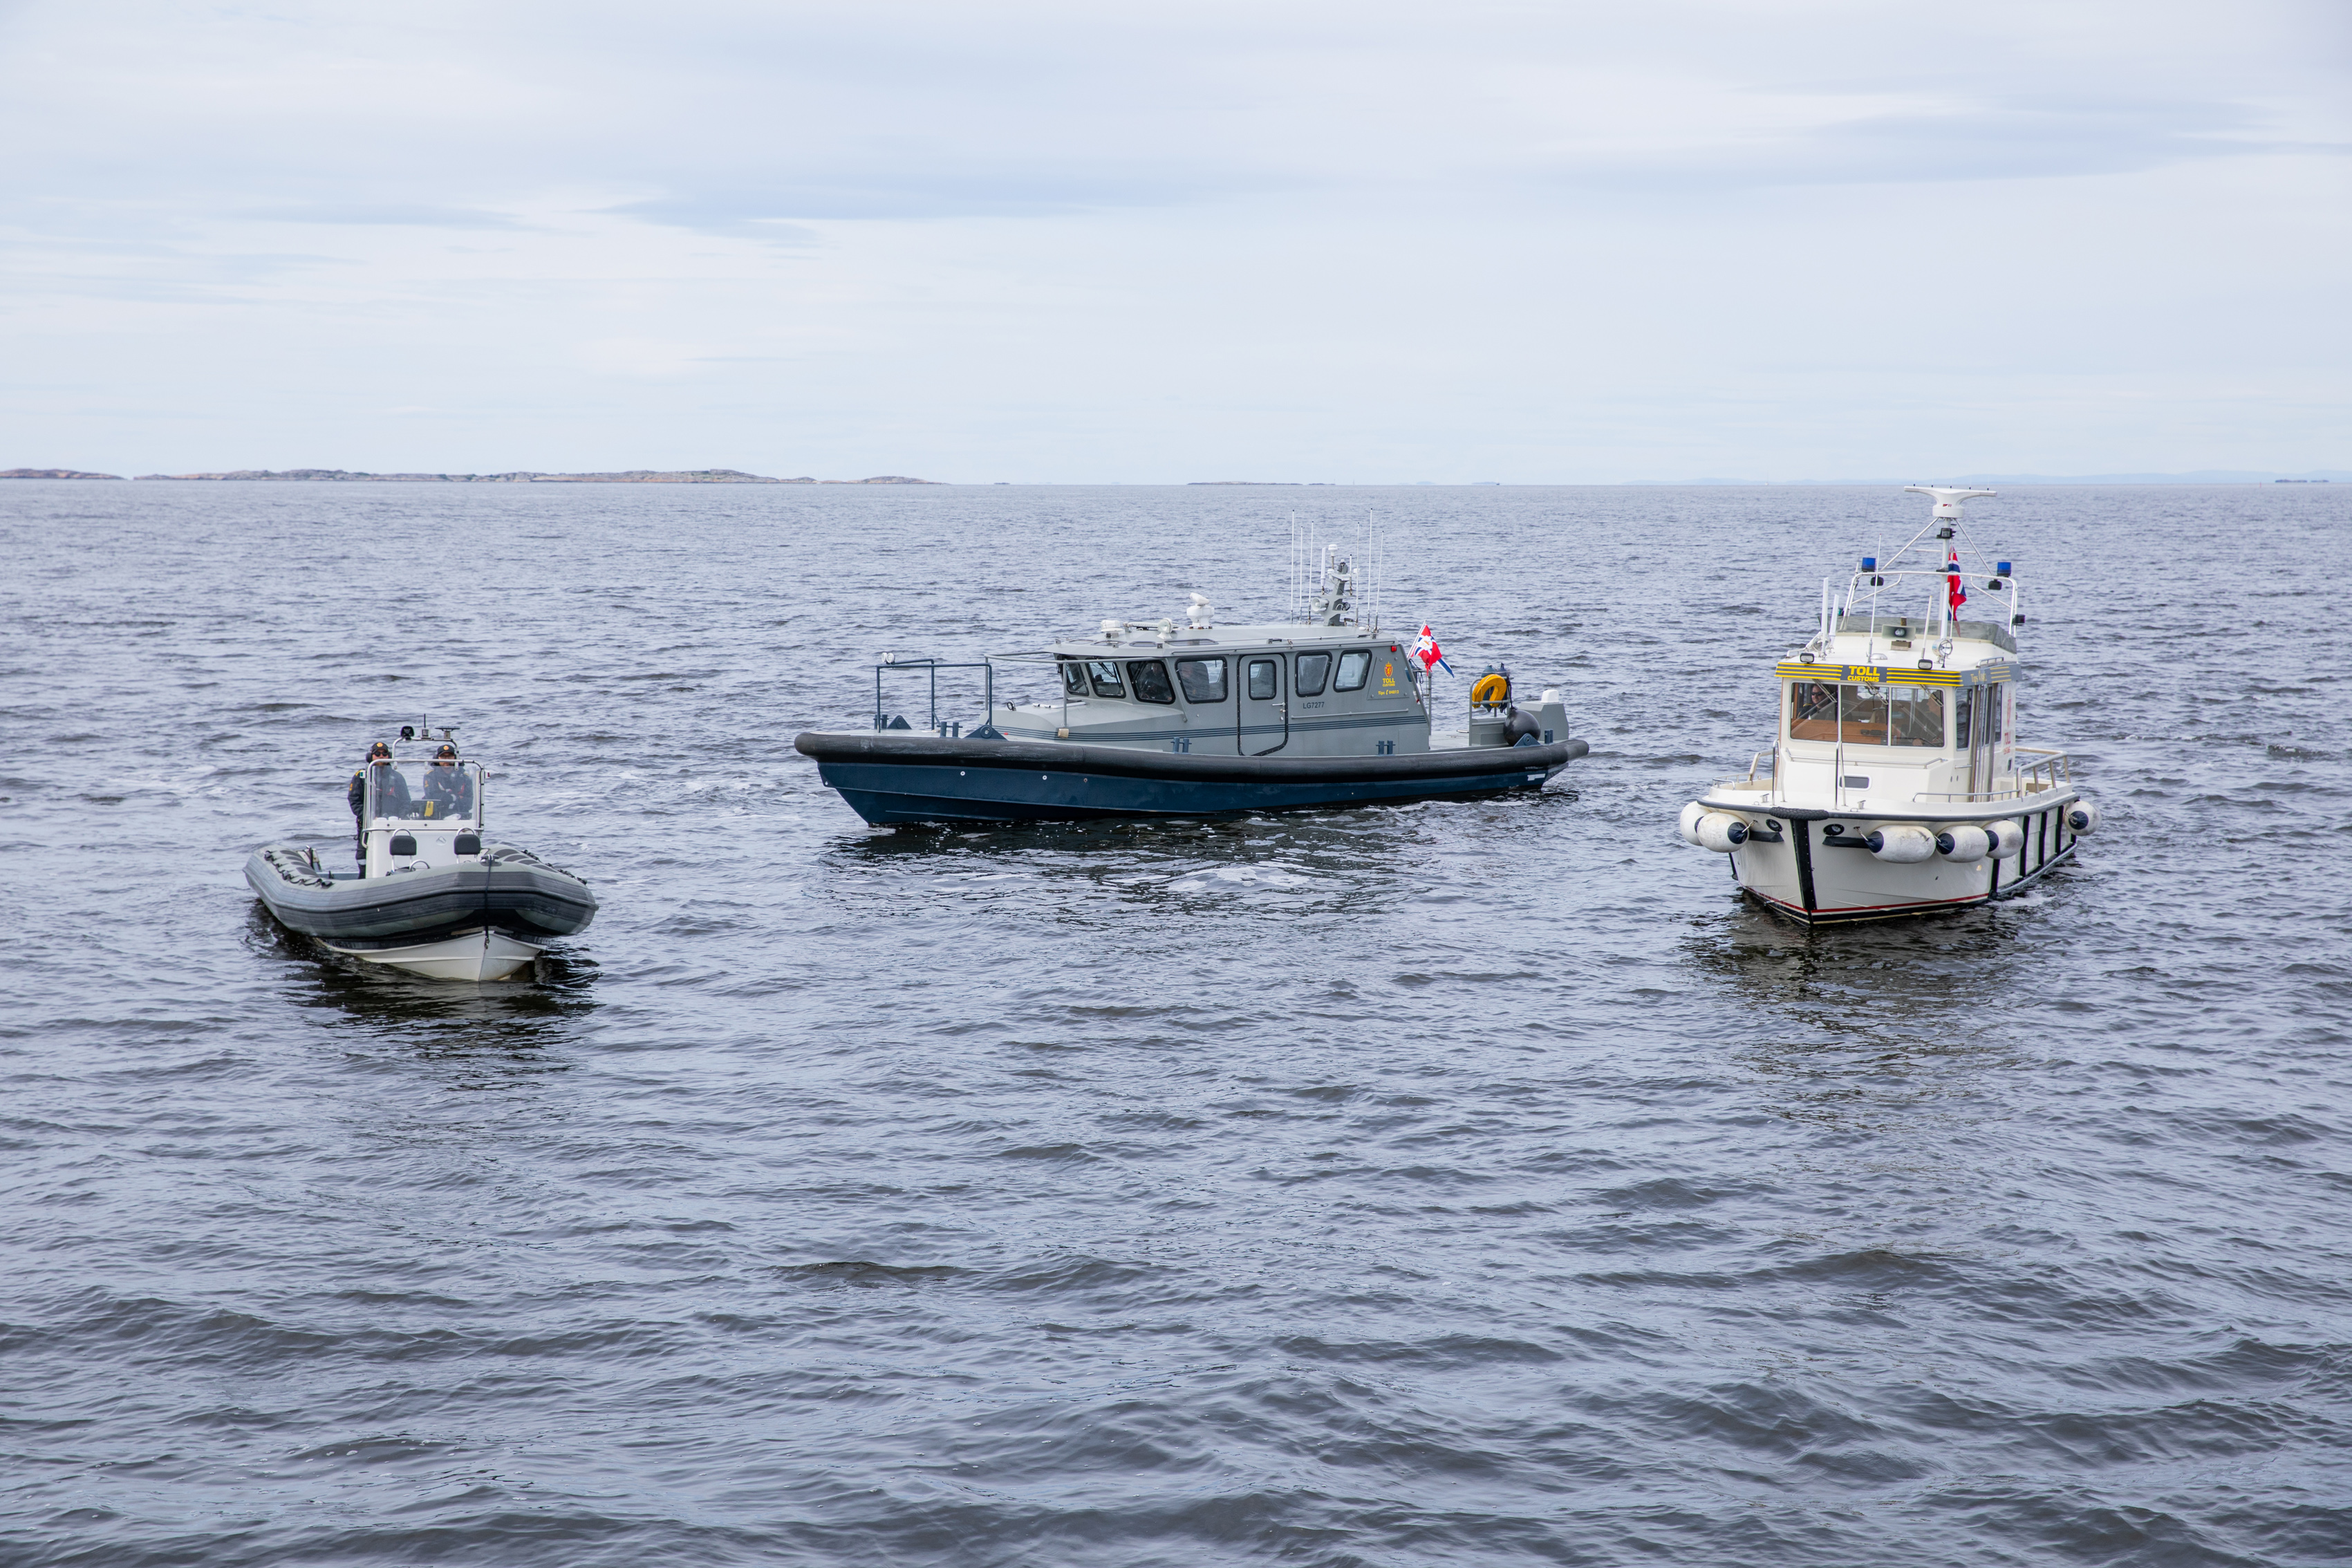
1262,715
1980,711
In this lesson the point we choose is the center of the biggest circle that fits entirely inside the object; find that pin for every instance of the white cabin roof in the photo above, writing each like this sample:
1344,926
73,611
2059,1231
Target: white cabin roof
1181,641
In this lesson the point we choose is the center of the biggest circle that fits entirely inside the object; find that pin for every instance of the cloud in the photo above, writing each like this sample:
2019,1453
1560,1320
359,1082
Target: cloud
1095,234
410,215
724,115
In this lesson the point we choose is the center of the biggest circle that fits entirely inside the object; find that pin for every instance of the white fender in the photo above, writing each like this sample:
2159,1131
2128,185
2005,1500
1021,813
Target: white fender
1902,843
2082,816
2008,839
1964,844
1721,831
1688,826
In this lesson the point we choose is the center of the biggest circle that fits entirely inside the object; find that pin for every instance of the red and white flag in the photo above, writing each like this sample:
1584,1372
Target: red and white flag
1425,651
1959,594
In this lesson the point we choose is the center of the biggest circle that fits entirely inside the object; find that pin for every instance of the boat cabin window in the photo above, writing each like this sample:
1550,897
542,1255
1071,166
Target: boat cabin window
1915,716
1104,673
1812,710
1265,680
1863,715
1074,678
1354,666
1309,671
1148,678
1962,712
1204,679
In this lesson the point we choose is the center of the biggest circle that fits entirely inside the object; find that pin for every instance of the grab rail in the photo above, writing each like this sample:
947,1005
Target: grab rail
2033,778
2051,770
933,667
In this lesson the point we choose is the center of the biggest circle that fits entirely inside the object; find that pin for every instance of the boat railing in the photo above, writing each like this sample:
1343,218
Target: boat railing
929,667
1918,626
2048,772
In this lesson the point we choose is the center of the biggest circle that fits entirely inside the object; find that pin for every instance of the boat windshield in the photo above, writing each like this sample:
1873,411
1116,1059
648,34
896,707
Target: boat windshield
425,791
1860,714
1148,678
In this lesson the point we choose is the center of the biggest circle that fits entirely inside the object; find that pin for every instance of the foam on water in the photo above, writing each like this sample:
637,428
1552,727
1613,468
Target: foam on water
1448,1183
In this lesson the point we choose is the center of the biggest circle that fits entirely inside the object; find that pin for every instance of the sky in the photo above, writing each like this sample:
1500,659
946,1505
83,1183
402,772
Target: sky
1145,242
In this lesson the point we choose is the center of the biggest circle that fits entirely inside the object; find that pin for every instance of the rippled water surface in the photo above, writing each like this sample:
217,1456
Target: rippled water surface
1456,1184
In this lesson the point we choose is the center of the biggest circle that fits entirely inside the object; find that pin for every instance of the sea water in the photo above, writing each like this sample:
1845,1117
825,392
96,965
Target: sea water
1472,1183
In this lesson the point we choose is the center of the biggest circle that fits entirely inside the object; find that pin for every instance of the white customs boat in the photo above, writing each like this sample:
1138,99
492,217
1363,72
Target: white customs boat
1897,783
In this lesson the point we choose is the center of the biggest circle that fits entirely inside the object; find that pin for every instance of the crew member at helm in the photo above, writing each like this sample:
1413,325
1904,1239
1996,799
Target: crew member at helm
448,792
392,790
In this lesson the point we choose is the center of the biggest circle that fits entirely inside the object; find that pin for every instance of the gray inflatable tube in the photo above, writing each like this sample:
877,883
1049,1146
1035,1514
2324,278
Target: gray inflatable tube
508,889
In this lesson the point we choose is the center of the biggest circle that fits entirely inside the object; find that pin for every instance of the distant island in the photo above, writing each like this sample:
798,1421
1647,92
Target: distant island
519,477
52,474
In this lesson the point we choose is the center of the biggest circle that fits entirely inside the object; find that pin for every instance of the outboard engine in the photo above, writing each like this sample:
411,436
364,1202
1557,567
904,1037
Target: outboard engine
1964,844
1496,721
1900,843
2082,816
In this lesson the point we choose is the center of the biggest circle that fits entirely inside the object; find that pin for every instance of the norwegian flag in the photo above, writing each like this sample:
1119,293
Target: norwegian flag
1959,594
1425,651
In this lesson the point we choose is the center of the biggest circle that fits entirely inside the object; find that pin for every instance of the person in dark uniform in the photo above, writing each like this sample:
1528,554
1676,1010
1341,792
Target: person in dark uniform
448,792
392,790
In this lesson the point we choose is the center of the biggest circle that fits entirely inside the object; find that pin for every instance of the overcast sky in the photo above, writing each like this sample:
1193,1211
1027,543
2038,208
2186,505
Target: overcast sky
1353,241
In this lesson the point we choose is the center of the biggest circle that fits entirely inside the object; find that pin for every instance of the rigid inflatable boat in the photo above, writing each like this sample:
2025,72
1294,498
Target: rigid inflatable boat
1163,720
426,894
1897,784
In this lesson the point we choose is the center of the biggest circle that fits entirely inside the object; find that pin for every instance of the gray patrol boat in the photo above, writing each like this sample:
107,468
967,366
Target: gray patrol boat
1194,719
426,893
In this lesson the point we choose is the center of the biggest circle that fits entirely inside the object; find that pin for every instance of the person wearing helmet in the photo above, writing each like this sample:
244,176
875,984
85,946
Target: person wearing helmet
391,792
448,792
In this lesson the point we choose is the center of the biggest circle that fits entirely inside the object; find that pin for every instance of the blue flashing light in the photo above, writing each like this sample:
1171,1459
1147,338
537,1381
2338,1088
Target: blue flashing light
2000,569
1870,563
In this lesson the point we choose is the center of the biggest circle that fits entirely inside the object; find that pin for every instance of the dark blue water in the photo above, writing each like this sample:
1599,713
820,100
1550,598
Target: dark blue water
1461,1183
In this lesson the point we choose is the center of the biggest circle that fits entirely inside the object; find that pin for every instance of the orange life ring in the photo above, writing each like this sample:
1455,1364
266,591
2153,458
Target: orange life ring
1491,689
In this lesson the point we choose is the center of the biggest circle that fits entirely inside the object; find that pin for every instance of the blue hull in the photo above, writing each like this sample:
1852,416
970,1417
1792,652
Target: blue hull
900,779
